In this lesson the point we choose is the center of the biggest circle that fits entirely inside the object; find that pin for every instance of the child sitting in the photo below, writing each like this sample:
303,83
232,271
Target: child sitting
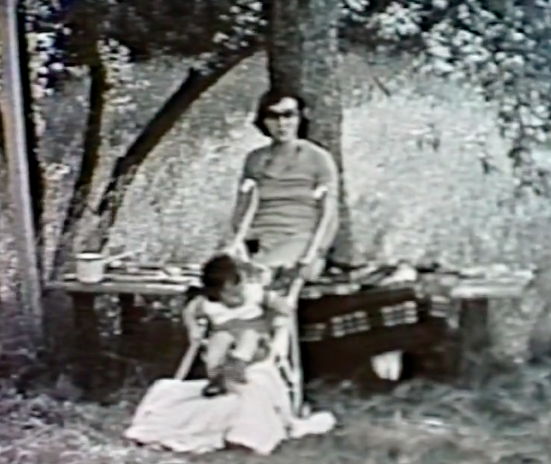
235,304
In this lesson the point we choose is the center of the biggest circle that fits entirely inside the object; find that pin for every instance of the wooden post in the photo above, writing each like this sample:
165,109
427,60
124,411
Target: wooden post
475,340
472,301
16,151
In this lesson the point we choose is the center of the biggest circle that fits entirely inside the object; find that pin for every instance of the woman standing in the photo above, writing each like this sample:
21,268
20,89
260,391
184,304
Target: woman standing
287,172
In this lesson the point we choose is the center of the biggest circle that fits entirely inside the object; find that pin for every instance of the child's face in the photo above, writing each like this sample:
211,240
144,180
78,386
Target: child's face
233,293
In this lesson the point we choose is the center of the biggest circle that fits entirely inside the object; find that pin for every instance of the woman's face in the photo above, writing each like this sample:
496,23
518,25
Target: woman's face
283,119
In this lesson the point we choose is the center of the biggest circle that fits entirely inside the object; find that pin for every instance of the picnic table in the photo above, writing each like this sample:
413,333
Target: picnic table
437,315
126,287
457,300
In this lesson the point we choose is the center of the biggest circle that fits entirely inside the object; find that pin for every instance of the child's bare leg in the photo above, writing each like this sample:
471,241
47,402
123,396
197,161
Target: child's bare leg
247,345
217,351
218,347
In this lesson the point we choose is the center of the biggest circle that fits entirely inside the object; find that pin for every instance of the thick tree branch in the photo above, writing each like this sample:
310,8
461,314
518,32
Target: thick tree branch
126,167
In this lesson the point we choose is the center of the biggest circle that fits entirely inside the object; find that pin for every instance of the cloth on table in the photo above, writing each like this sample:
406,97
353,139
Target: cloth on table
174,415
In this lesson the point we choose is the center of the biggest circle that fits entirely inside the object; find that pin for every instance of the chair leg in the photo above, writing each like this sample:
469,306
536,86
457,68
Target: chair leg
286,363
296,372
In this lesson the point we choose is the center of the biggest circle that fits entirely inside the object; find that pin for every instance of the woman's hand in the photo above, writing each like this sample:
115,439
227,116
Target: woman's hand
195,332
238,250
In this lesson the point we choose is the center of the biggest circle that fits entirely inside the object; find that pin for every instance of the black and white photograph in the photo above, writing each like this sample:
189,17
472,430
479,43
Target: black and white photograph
273,231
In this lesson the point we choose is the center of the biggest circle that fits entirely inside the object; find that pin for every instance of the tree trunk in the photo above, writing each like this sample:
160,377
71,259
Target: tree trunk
284,45
126,167
304,57
90,158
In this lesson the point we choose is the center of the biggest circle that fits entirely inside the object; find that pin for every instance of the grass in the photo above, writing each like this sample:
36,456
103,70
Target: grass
507,422
408,200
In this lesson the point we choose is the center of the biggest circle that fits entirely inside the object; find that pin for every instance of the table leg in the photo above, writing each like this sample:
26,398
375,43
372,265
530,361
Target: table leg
131,343
86,345
474,339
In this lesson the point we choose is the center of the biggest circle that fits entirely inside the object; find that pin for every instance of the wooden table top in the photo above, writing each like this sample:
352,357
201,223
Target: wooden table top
145,281
468,286
110,287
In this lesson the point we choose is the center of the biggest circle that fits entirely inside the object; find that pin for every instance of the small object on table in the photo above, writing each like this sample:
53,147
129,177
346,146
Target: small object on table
90,266
172,271
133,268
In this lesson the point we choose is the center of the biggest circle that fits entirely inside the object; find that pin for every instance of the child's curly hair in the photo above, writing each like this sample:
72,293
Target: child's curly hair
217,272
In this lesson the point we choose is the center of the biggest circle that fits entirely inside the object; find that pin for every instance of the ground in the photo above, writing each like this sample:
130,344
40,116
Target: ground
416,190
506,422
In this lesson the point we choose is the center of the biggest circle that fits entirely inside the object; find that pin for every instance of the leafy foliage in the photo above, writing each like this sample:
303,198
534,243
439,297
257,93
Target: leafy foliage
498,47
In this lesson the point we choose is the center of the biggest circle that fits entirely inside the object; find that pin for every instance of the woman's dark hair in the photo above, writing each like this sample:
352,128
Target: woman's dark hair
216,273
273,97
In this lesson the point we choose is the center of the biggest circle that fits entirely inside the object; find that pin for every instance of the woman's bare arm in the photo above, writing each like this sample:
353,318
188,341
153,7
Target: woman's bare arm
327,175
248,172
